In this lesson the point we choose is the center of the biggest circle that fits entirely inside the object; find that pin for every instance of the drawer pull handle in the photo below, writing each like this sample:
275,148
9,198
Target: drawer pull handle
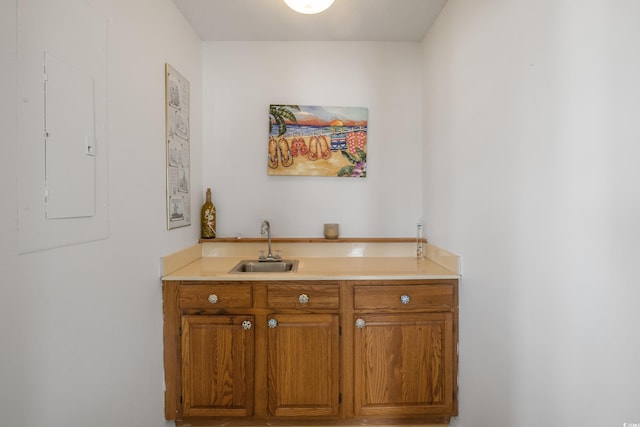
213,298
272,323
405,299
246,325
360,323
303,298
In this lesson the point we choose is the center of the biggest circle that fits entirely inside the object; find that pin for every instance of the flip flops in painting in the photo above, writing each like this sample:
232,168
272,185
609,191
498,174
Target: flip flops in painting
281,152
298,147
281,147
285,153
273,153
319,143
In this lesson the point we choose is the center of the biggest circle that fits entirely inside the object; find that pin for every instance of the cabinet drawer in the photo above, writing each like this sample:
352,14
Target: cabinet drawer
403,297
303,296
215,296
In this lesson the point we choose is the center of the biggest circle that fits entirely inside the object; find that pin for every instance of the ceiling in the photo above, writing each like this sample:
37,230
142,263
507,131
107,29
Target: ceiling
345,20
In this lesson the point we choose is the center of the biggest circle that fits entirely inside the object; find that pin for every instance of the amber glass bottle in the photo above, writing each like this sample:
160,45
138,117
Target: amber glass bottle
208,218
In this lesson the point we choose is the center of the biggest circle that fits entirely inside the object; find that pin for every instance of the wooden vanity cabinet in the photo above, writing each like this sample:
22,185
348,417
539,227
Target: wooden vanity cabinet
328,352
303,349
405,349
303,365
217,365
209,349
251,349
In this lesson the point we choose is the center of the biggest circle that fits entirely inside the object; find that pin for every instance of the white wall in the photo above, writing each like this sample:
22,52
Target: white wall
80,326
530,173
241,79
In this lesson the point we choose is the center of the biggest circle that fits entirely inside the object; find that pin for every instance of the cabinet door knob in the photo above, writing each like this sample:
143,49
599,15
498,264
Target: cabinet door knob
405,299
360,323
303,298
213,298
246,325
272,323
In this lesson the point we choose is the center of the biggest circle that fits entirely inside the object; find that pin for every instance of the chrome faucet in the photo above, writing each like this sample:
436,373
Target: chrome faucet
266,229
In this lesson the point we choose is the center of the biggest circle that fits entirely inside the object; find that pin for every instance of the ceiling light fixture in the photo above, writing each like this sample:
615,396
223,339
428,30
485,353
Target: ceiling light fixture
309,7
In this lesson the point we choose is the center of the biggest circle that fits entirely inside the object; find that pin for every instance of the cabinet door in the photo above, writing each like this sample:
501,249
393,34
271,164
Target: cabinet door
303,365
217,365
403,364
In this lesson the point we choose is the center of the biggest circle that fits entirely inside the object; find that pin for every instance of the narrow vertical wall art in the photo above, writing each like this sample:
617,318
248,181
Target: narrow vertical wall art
320,141
178,157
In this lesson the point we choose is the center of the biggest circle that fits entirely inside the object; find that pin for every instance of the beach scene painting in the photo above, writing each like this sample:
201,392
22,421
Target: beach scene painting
309,140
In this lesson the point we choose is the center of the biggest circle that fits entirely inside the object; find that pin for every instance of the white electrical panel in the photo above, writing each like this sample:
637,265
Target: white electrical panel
70,165
62,124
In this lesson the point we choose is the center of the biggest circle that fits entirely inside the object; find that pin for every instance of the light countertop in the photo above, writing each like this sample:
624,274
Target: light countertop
352,260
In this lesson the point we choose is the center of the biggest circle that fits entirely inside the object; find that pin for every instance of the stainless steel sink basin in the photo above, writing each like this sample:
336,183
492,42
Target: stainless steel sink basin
256,266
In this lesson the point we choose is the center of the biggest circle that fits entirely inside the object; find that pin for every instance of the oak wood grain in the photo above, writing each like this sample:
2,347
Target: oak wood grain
316,368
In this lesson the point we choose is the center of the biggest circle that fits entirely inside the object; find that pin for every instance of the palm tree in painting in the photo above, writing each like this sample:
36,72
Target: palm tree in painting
279,114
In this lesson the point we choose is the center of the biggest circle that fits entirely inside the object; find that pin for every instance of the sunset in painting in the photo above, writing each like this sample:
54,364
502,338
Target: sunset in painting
317,141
